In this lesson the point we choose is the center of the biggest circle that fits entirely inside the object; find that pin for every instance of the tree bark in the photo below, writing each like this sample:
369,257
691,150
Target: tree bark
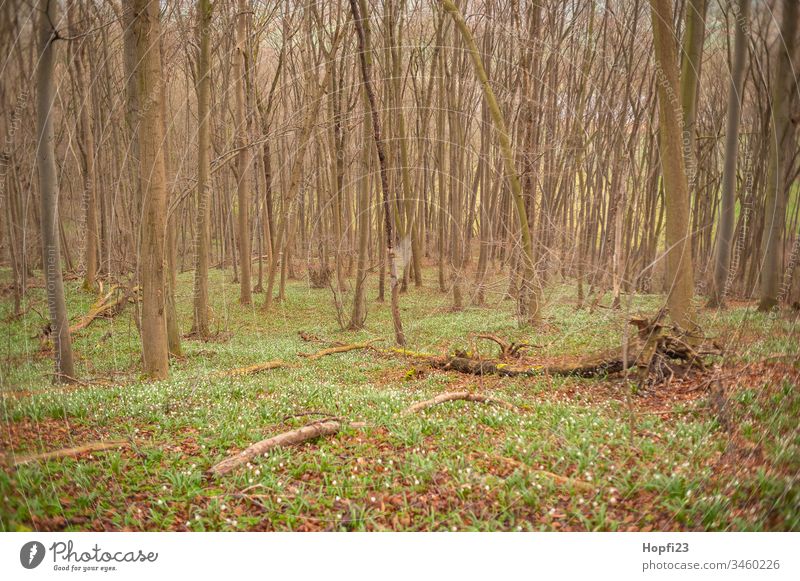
86,147
680,280
727,210
147,32
781,149
361,23
242,158
203,236
48,189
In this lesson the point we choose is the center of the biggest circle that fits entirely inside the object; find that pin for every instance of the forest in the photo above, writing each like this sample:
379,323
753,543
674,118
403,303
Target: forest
399,265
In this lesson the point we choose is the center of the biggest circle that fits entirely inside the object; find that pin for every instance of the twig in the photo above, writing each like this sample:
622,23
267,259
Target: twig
69,452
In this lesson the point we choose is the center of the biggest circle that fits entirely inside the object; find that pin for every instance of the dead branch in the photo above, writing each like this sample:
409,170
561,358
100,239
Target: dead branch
107,305
309,432
339,349
291,438
309,337
458,396
251,369
557,478
508,349
70,452
654,351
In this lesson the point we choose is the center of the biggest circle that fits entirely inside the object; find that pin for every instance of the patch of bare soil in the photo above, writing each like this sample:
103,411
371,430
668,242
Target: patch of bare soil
47,434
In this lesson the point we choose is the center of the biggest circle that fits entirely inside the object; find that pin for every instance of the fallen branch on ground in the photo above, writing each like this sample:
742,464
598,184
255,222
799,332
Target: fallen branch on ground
309,337
309,432
470,366
458,396
557,478
658,351
508,349
339,349
70,452
107,305
251,369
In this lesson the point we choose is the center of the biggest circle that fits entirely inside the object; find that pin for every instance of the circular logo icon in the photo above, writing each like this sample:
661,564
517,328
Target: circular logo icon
31,554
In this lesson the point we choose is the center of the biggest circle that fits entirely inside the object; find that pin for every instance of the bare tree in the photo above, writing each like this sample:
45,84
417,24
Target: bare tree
361,22
530,296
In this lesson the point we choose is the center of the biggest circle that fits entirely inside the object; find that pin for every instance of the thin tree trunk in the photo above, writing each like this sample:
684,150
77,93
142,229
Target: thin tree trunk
530,298
781,147
86,147
359,315
48,189
366,66
243,157
727,210
203,236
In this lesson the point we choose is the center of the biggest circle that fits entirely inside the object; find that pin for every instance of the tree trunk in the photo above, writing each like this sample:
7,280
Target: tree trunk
676,190
530,296
203,238
692,54
781,150
86,147
147,32
359,315
727,209
242,157
48,189
366,66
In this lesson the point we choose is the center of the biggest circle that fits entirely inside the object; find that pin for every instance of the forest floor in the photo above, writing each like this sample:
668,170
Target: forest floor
578,454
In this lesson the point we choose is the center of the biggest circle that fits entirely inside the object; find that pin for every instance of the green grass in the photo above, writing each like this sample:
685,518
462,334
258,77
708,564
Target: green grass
667,465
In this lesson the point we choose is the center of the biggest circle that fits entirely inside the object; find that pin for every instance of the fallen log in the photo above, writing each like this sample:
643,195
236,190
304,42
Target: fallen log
339,349
469,366
651,351
70,452
458,396
251,369
309,432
